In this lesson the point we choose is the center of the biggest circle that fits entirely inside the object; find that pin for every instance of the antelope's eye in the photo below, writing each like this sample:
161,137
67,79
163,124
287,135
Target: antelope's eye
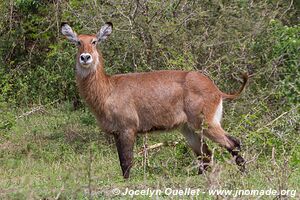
78,43
94,42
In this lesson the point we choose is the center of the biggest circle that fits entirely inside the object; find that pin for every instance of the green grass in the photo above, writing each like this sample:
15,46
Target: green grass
59,153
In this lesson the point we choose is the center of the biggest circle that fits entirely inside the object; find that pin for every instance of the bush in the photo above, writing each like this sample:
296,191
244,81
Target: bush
280,45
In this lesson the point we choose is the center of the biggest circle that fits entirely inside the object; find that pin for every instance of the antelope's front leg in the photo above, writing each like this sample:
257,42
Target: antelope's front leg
124,143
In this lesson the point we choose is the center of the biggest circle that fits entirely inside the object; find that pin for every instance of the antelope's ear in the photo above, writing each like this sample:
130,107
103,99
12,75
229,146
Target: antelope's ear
105,31
67,31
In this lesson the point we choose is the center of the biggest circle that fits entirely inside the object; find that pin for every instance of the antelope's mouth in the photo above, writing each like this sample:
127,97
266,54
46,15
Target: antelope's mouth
85,65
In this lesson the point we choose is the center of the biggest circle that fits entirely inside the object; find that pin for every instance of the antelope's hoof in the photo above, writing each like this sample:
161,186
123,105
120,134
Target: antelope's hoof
240,161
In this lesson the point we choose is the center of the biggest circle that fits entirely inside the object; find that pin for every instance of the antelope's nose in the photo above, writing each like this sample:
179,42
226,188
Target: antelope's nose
86,58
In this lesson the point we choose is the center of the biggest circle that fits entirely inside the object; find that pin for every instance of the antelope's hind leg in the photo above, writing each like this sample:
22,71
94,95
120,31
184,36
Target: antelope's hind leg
218,135
198,145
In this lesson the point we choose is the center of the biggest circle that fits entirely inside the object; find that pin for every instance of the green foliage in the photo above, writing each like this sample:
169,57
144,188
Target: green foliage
7,119
286,49
281,46
219,38
27,6
33,65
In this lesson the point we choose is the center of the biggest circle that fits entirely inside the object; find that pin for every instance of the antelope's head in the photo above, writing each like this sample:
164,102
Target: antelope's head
87,58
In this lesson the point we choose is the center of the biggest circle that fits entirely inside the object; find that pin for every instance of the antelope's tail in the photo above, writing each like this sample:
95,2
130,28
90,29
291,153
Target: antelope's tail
235,95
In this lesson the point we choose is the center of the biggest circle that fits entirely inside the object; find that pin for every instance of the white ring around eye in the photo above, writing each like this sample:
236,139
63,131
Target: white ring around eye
94,42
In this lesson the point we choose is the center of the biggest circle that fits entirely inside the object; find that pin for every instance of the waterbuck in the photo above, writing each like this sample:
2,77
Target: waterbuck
127,104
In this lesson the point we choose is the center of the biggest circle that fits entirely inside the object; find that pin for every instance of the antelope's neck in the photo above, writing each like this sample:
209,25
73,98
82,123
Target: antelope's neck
94,88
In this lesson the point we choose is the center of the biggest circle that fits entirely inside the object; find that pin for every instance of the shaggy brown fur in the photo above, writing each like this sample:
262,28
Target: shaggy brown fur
127,104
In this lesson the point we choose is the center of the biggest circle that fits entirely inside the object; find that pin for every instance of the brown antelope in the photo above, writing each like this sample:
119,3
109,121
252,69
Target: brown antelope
127,104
